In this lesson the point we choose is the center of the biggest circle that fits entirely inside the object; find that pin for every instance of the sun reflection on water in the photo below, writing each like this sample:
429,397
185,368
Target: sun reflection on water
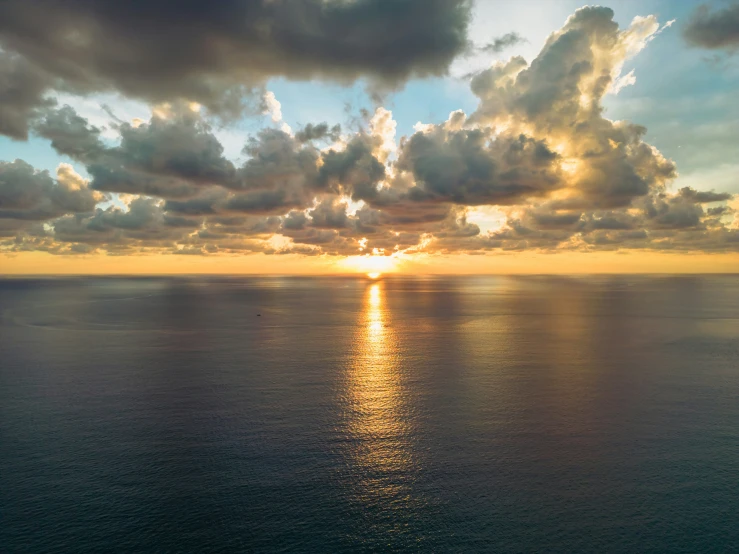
374,315
376,416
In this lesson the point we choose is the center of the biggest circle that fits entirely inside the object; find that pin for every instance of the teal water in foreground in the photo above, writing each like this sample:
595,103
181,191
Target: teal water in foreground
491,414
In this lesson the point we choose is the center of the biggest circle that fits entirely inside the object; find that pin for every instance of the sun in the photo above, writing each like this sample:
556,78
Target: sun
371,265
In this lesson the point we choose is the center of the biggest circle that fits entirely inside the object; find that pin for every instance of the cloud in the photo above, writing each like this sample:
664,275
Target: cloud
273,108
70,134
329,214
353,171
472,168
558,99
501,43
143,224
27,194
714,30
382,125
216,53
623,81
538,149
181,147
22,93
321,131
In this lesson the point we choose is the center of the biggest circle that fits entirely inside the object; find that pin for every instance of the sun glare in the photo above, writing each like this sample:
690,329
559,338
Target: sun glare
371,265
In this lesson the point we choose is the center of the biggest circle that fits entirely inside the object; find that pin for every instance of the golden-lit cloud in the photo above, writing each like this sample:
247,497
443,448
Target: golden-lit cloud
535,168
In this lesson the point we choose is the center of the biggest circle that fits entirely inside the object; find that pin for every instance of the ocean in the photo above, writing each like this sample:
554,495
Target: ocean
343,414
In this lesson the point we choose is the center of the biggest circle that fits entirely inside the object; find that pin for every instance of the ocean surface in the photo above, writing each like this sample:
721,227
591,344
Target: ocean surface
429,414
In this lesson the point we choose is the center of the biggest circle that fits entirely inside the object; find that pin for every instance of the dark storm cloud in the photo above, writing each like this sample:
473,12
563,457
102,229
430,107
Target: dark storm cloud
714,28
214,52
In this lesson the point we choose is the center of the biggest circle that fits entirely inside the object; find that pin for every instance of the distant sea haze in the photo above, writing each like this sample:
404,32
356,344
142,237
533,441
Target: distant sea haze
477,414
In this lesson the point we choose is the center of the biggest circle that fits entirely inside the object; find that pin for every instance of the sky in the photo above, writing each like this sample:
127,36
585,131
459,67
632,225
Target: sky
365,136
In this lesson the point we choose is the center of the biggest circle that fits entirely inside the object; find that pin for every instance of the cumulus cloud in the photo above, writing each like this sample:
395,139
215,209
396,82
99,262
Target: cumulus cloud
558,98
538,148
382,126
273,108
70,134
470,167
353,171
30,195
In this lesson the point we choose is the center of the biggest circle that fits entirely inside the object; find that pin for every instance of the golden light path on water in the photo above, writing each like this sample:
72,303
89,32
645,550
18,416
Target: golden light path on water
377,421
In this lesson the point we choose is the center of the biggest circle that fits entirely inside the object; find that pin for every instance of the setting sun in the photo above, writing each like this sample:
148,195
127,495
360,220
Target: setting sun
372,265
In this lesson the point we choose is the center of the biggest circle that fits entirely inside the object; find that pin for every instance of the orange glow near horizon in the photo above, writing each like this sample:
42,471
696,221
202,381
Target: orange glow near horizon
41,263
